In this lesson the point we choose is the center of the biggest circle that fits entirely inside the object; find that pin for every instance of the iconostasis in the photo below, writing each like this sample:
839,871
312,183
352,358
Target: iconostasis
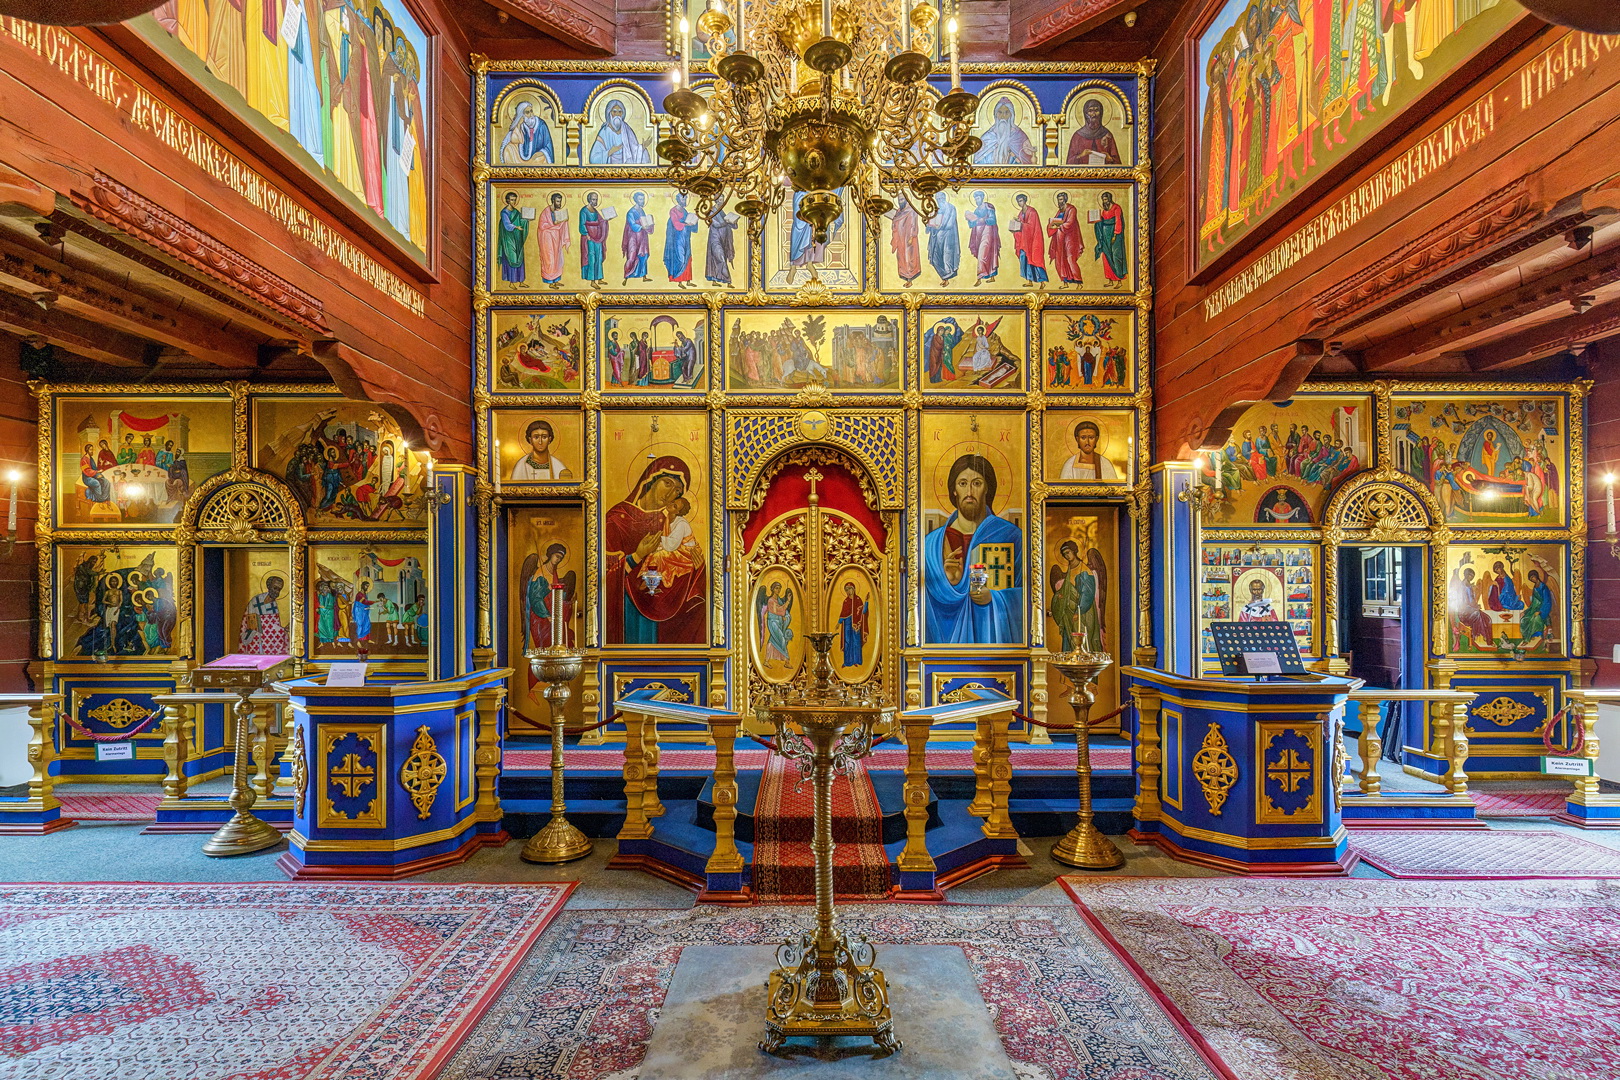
647,375
1480,477
184,524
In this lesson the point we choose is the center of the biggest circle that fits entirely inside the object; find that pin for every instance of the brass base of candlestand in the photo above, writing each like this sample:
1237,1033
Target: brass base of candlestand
558,842
847,996
242,835
1087,849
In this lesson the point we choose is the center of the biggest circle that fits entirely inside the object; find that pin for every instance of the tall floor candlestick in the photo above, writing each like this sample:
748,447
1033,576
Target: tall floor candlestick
559,841
1085,846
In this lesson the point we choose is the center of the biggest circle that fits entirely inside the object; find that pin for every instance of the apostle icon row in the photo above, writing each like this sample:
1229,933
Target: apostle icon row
1004,238
1081,446
1082,351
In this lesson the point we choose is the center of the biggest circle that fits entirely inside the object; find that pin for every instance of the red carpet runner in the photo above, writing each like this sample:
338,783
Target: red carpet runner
784,822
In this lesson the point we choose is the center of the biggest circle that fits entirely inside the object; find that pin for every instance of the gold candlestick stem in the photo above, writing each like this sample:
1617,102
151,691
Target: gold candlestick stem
245,833
559,841
1084,846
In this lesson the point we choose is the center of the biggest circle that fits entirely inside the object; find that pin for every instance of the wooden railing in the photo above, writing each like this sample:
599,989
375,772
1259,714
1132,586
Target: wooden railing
1448,720
42,752
181,718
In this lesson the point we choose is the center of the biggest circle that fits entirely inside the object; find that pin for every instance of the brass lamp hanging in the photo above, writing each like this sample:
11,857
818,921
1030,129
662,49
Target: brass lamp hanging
816,98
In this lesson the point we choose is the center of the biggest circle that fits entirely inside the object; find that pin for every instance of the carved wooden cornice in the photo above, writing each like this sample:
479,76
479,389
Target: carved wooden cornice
1035,25
569,23
116,205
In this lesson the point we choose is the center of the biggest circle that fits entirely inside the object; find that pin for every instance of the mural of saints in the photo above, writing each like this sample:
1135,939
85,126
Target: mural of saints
657,576
549,591
773,610
1079,598
853,626
346,462
965,606
123,602
1503,600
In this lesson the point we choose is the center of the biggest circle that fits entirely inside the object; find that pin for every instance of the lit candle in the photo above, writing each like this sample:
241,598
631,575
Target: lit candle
1608,482
686,50
498,465
1215,461
15,477
556,616
956,55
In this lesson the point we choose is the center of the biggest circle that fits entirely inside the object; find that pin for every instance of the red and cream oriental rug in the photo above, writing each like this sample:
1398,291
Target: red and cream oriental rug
109,807
584,1004
1370,979
885,758
1484,853
1504,804
254,982
784,825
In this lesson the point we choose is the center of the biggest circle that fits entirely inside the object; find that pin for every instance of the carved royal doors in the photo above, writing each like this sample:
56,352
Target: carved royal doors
818,560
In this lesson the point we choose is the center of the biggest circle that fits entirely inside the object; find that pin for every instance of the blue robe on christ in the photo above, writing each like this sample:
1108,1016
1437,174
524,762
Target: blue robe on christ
952,618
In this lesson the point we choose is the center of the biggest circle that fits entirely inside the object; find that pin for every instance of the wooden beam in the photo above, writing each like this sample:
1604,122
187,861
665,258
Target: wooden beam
1034,25
93,297
91,340
1502,310
588,25
1547,338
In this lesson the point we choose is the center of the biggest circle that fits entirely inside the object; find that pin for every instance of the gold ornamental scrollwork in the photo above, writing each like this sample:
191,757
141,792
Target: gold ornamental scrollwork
1215,768
119,713
1502,711
299,763
424,770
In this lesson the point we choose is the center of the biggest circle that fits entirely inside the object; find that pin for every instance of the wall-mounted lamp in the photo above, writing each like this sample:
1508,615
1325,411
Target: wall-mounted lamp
1200,496
433,495
1609,533
14,479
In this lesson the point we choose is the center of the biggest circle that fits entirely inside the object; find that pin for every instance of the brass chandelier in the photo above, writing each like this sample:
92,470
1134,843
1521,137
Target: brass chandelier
814,99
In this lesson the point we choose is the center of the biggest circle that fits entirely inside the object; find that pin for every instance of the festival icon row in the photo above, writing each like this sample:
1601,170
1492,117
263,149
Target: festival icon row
122,463
547,446
1002,238
589,124
856,351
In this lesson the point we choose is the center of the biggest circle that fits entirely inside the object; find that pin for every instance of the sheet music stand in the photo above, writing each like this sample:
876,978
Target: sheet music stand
1233,639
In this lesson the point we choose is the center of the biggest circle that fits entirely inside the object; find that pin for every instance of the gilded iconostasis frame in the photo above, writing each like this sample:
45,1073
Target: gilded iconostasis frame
1487,478
183,500
550,346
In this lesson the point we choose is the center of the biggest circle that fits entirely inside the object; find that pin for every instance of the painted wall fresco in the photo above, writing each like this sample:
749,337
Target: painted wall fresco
1490,460
973,513
1506,600
342,88
538,349
116,603
368,600
664,350
122,462
1285,91
1088,351
984,349
1284,459
345,460
790,350
1260,583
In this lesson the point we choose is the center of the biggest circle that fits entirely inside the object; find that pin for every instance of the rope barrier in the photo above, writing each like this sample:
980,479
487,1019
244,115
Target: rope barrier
1070,727
1577,743
577,730
113,736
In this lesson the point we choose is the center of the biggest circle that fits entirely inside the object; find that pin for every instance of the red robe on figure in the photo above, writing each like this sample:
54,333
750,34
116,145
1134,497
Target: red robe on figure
1067,247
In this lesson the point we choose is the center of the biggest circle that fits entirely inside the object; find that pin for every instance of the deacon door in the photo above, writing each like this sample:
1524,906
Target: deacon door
818,560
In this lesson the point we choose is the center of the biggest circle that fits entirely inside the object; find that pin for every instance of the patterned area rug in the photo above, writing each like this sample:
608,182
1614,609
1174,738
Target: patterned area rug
110,807
584,1004
885,758
254,982
1481,853
784,824
1364,979
1502,804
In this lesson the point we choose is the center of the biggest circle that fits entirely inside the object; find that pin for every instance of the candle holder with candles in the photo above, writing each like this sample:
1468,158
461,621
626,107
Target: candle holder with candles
557,665
1609,533
14,479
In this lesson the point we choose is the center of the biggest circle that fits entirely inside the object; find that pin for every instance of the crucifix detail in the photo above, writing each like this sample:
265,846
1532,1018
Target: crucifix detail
813,476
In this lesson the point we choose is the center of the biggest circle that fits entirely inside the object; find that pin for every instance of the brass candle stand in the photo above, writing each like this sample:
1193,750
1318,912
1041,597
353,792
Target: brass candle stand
557,667
245,832
1084,846
826,984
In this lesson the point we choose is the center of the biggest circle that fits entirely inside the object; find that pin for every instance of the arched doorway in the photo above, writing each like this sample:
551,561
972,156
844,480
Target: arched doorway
818,556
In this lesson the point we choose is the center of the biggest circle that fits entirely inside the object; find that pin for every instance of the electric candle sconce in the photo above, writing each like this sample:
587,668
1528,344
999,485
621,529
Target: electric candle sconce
14,480
1609,533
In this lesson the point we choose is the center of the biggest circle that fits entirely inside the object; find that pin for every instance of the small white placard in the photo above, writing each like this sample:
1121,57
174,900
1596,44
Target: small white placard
1566,766
1093,157
351,674
290,21
1262,663
115,751
529,212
